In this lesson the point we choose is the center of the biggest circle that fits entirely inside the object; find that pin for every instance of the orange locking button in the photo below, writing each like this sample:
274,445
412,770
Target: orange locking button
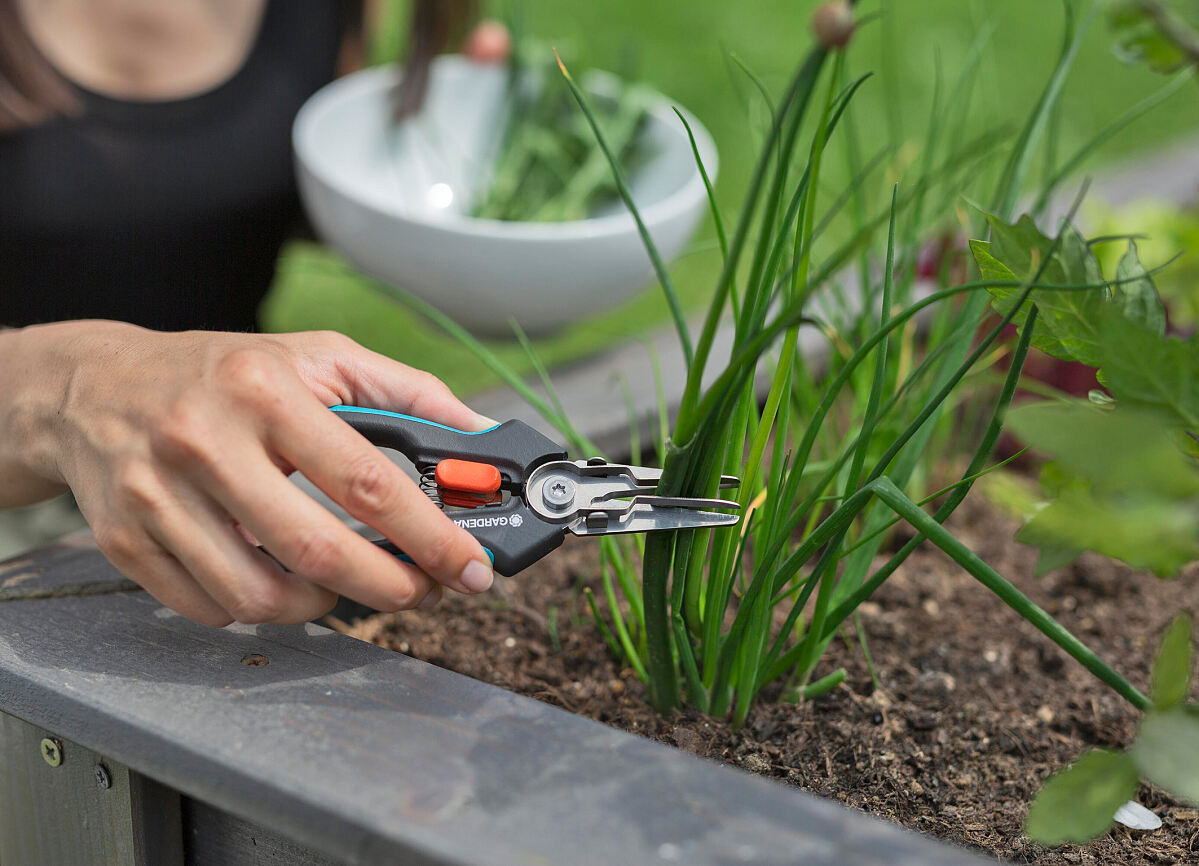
469,500
467,477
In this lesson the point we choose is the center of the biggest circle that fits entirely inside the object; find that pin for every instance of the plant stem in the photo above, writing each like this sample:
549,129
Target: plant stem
1008,594
823,685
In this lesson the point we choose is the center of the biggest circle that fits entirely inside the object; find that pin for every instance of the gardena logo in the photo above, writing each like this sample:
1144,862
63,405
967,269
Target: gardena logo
486,522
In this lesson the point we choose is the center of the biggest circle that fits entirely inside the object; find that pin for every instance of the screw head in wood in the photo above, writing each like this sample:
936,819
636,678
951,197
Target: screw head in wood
51,750
103,777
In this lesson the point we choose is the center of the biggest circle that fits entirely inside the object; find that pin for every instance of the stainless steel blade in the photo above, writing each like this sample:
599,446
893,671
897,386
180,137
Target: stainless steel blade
561,492
648,518
662,502
647,476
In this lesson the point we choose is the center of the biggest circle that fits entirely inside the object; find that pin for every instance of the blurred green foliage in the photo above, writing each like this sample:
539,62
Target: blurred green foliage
1162,34
682,47
1164,230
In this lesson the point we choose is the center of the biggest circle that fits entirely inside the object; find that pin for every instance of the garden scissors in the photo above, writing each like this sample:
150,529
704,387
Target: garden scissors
517,494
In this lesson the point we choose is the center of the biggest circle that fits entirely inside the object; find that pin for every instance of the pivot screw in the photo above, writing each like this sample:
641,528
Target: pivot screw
51,750
559,492
103,777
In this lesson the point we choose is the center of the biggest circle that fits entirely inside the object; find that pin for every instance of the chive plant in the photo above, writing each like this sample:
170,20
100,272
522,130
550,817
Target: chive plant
832,458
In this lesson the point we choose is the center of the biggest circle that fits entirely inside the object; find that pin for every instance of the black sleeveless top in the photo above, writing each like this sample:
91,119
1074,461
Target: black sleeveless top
165,214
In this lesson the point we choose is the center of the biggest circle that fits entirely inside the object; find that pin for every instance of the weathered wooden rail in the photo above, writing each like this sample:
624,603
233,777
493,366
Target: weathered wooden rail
129,735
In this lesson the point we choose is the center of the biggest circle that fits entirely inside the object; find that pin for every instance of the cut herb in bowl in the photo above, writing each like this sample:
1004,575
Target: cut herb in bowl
550,167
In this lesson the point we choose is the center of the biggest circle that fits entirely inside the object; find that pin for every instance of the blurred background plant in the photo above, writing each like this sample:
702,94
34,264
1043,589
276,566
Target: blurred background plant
1162,34
1164,230
683,49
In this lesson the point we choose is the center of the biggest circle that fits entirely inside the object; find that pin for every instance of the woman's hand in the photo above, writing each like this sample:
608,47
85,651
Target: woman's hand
178,446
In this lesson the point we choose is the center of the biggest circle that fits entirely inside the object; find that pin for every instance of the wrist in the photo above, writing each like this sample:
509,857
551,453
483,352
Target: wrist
41,365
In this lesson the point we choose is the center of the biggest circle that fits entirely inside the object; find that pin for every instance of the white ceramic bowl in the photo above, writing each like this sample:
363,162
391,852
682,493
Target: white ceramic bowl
392,199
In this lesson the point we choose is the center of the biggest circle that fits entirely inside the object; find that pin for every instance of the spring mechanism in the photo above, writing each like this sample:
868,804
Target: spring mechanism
428,483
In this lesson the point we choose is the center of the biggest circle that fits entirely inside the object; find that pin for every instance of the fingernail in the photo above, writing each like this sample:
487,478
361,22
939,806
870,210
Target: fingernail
431,599
477,576
486,423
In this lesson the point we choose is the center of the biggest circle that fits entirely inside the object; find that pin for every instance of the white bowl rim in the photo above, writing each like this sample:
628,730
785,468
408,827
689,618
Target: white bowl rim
371,78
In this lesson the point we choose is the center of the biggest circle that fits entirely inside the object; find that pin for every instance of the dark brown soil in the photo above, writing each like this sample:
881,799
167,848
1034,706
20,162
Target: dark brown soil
975,707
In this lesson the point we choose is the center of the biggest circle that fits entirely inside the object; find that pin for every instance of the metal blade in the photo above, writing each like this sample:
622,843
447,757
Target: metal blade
613,497
649,518
647,476
663,502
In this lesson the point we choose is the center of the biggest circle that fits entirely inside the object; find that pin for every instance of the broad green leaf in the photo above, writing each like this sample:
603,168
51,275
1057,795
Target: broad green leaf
1072,319
1022,247
1166,751
1139,367
1136,294
1079,803
1012,492
1161,536
1124,488
990,267
1172,669
1067,327
1003,298
1054,477
1051,558
1126,450
1080,264
1071,315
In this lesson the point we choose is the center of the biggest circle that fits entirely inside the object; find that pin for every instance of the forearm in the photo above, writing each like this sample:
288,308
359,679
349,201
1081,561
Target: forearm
35,373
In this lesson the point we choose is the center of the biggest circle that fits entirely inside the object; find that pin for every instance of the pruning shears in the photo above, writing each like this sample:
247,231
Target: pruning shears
514,490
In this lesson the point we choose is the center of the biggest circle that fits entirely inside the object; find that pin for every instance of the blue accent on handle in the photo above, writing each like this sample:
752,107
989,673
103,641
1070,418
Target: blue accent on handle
406,558
341,408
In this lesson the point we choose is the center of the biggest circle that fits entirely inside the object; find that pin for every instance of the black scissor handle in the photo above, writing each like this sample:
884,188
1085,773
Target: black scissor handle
515,448
512,534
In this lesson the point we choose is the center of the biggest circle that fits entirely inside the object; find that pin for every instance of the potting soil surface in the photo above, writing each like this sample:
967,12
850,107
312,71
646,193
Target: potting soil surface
975,708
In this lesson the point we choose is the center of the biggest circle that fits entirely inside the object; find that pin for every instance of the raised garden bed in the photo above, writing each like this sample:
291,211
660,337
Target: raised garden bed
975,709
254,746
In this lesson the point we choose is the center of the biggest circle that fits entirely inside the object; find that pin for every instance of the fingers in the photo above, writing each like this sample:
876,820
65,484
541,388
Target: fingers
269,417
357,376
245,582
193,559
308,539
187,553
361,479
147,564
